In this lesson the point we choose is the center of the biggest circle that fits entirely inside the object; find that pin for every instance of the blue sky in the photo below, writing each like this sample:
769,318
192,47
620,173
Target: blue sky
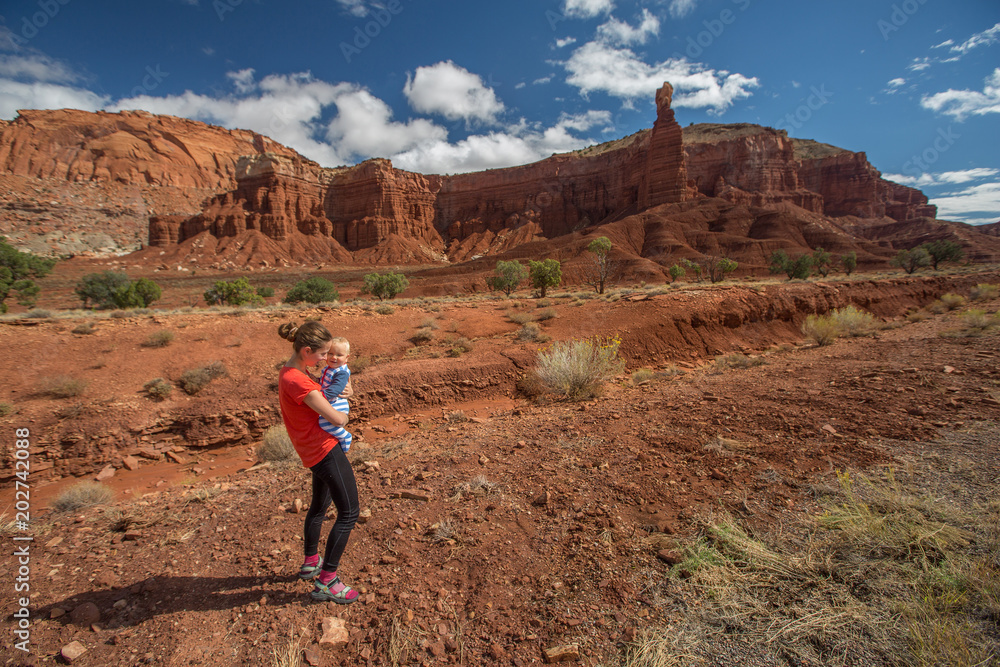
441,86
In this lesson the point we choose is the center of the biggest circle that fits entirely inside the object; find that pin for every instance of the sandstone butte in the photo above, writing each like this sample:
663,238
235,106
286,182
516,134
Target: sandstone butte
660,195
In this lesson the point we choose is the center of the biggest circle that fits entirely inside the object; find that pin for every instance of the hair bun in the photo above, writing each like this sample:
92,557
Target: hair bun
288,331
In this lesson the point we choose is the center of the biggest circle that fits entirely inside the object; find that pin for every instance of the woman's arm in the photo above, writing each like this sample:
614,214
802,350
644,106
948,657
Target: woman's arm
315,400
348,390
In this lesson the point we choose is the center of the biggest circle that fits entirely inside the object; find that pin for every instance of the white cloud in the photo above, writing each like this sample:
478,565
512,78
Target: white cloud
16,95
619,72
243,80
962,103
947,42
363,127
621,33
542,81
979,202
919,64
453,92
896,83
560,43
681,8
984,38
35,67
944,178
586,9
518,145
357,8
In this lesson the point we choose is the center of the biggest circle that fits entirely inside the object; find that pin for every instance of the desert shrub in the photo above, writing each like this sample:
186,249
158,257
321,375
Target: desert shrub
384,285
16,270
158,388
87,328
313,290
359,364
737,360
384,309
99,288
120,314
460,347
39,314
195,379
507,276
63,386
7,409
576,369
275,446
159,339
265,291
528,332
429,323
952,301
546,314
853,321
422,336
237,292
849,262
530,385
676,272
81,495
984,292
642,375
520,318
918,315
976,321
821,329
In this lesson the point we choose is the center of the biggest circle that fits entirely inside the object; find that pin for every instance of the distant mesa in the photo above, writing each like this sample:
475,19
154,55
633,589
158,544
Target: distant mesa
206,196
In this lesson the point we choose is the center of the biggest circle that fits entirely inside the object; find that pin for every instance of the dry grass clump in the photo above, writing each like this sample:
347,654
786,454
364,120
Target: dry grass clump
888,575
7,409
158,388
546,314
196,379
530,385
360,364
159,339
577,369
85,328
520,318
81,495
821,329
529,332
62,386
853,321
917,315
946,303
384,309
976,322
422,336
478,486
737,360
460,347
984,292
642,376
276,446
287,655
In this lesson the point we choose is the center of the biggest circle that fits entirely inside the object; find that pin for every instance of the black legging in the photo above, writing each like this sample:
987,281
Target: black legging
333,477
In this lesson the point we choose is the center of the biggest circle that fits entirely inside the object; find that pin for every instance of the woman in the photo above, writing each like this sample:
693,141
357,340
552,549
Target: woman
302,403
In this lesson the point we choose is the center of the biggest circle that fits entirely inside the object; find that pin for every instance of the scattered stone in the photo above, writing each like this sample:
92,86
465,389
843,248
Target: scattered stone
72,651
497,652
563,653
131,535
106,474
670,556
311,657
131,462
542,499
716,474
364,515
949,369
334,631
829,429
483,459
415,494
57,612
436,649
151,454
106,579
55,541
177,458
85,614
297,506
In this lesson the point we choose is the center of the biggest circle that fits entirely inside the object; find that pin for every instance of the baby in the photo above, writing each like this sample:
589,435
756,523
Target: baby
333,380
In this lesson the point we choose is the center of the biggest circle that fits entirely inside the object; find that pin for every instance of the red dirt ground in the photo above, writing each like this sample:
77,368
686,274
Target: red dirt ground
548,552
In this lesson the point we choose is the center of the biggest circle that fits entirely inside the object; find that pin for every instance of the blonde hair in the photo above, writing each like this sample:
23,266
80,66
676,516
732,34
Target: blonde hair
311,334
339,341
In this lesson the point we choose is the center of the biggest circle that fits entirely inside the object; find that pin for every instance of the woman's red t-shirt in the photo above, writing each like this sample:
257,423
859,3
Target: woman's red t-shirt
302,422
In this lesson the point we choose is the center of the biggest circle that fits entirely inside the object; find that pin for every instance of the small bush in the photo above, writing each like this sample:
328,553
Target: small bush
576,369
276,446
359,364
738,360
530,385
196,379
81,495
953,301
39,314
821,329
265,291
158,388
529,332
917,315
7,409
384,309
63,386
237,292
313,290
84,329
976,321
520,318
422,336
853,321
984,292
546,314
463,344
385,286
159,339
641,376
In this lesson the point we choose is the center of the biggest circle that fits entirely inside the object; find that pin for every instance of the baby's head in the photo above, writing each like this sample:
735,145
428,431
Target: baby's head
340,349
